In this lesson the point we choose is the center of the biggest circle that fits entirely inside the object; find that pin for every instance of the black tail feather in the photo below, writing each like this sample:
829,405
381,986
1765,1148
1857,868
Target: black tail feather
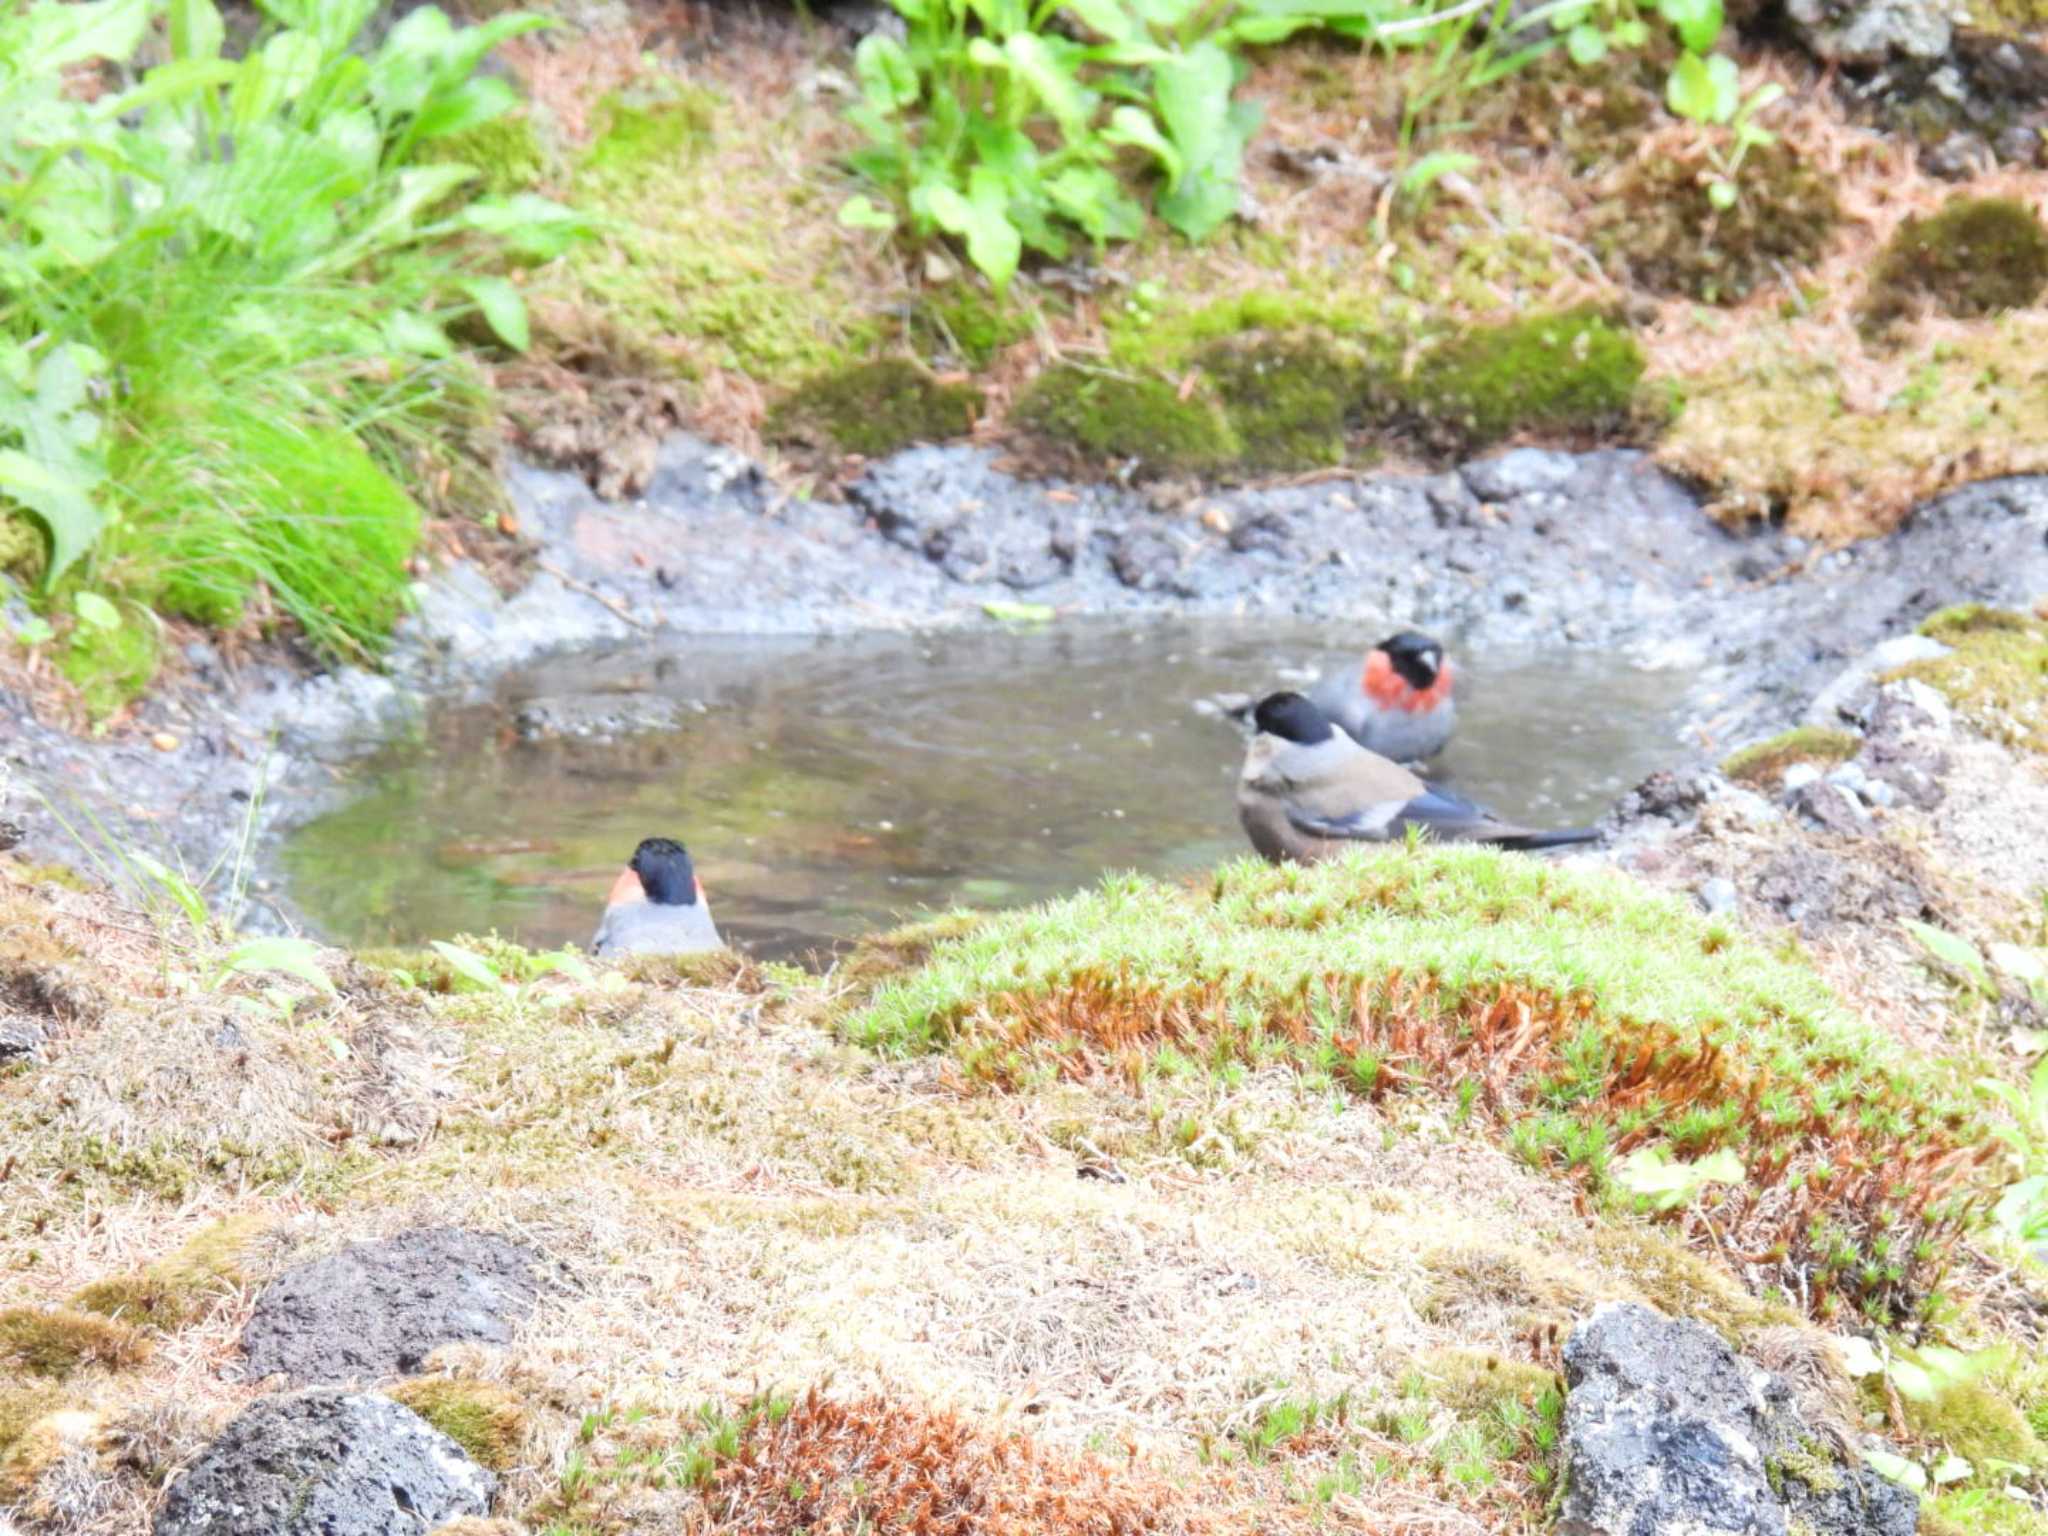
1563,837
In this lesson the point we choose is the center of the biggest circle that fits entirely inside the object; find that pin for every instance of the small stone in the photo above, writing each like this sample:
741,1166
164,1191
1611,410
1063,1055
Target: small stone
1717,896
1849,776
1797,777
1518,472
1879,793
164,741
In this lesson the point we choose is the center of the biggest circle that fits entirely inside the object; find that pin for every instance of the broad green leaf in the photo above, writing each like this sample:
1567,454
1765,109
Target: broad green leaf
1033,60
1907,1474
96,612
1667,1183
531,226
73,33
287,956
862,213
1706,90
1952,1469
1951,950
1095,200
1106,18
566,961
468,105
1697,22
196,30
1134,126
470,966
166,83
982,220
412,335
1586,44
1859,1357
503,308
293,59
35,630
887,77
1193,92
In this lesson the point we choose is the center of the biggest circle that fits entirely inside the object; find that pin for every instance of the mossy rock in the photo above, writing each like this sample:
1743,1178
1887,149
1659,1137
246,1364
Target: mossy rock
486,1419
1569,374
1762,764
109,667
1288,397
57,1341
1979,256
1996,675
1662,229
635,133
875,408
1114,420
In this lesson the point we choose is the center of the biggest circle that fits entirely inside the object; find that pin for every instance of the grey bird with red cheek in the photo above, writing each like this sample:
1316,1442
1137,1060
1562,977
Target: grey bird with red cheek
656,906
1309,791
1398,703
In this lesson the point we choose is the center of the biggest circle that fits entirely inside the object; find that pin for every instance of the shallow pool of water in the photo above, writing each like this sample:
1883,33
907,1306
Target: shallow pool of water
832,787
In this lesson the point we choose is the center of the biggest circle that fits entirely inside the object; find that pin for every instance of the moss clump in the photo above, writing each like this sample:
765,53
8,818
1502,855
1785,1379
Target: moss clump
1762,764
875,408
109,667
21,1406
1472,1382
964,324
57,1341
23,549
1662,230
176,1290
1978,1423
1978,256
1567,374
1980,1512
506,151
487,1420
1109,419
634,135
1996,675
1288,399
1811,1465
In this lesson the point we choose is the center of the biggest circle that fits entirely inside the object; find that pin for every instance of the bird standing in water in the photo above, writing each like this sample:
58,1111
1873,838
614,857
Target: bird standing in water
656,906
1399,703
1308,791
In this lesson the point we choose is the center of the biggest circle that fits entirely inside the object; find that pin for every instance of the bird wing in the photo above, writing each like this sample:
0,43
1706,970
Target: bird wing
1337,789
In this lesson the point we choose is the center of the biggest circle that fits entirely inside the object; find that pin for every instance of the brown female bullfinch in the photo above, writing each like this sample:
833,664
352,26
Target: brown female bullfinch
656,906
1398,703
1308,790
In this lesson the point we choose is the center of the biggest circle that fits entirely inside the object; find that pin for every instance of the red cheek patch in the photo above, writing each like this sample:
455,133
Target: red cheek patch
627,888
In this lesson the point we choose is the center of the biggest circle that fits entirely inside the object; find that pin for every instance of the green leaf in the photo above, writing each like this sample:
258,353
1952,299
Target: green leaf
1210,131
1586,44
887,77
503,308
412,335
167,82
982,220
859,212
1667,1183
1106,18
1020,613
288,956
468,105
1859,1357
1952,951
174,885
532,226
1907,1474
1722,194
96,612
196,29
470,966
1033,60
1697,22
1134,126
72,34
35,630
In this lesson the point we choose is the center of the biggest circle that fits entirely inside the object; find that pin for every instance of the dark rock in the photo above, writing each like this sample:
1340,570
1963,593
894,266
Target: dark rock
1666,1430
1831,807
379,1309
1146,561
326,1463
1263,533
1665,795
11,834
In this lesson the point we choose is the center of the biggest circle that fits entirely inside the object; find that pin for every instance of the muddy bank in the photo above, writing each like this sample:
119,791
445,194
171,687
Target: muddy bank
1599,549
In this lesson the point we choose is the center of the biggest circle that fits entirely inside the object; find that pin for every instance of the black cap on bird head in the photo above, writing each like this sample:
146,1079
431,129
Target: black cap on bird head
1415,656
1292,718
665,872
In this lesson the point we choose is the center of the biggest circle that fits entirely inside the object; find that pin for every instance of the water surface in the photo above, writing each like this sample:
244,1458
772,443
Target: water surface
832,787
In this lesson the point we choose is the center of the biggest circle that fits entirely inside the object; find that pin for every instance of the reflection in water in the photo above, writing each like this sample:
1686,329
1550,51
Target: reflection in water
832,787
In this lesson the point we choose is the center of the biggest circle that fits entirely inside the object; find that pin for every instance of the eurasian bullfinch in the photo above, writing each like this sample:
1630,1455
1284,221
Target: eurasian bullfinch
1399,703
656,906
1308,789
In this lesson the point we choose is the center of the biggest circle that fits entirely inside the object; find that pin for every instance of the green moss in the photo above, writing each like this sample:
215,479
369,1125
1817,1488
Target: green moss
1567,374
1112,420
1288,398
1978,256
964,324
1811,1464
109,667
507,151
487,1420
2009,18
178,1289
1764,763
639,135
875,408
56,1341
1980,1512
1473,1382
23,549
1978,1423
1168,341
1670,239
21,1406
1996,675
